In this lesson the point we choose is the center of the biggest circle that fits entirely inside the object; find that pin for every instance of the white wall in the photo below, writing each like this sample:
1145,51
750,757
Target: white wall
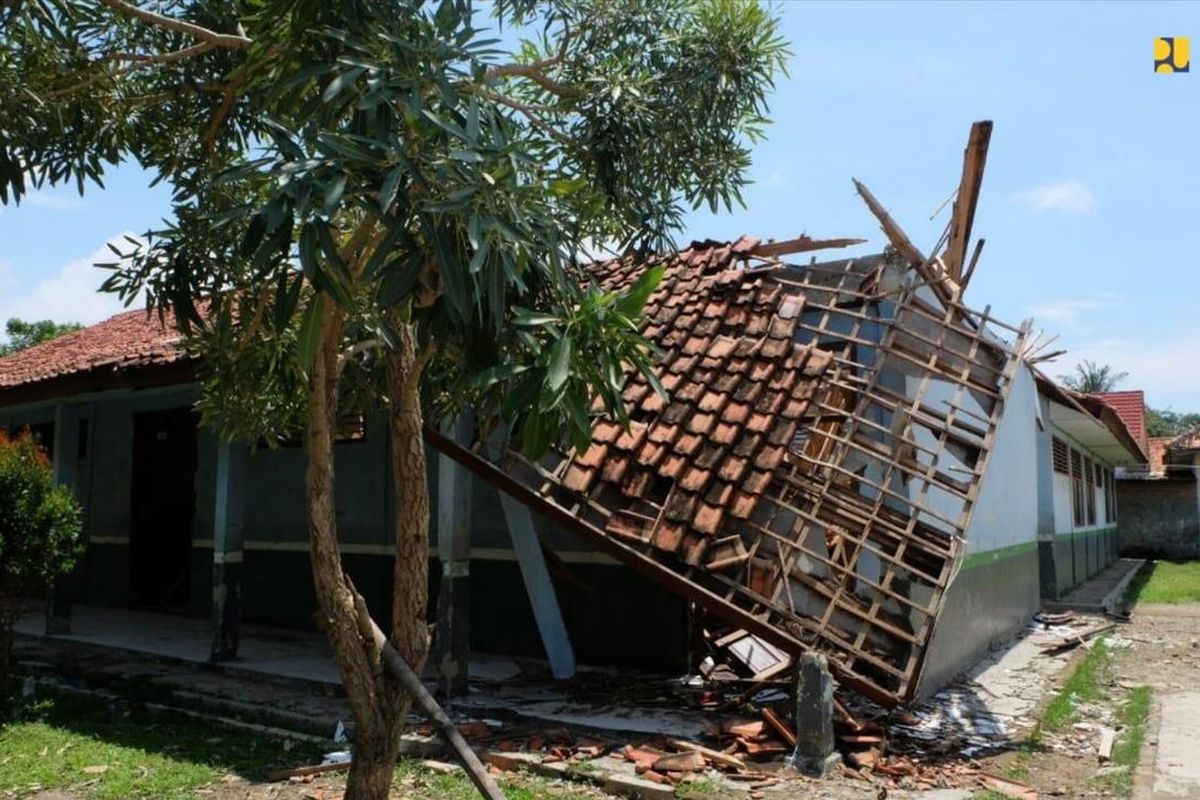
1006,511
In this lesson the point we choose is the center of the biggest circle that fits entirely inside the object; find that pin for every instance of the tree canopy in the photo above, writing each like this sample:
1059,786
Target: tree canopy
1092,378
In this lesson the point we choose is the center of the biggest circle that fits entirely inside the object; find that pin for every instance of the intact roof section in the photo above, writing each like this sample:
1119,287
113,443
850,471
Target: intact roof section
131,339
1131,408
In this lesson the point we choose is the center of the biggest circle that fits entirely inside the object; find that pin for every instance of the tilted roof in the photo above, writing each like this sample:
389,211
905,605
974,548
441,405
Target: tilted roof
752,487
738,384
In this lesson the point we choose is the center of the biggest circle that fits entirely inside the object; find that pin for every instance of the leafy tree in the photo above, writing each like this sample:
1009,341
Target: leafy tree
22,334
377,207
1092,378
40,527
1165,422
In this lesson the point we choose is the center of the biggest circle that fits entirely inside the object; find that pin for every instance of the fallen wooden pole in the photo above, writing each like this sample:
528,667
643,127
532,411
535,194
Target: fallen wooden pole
411,683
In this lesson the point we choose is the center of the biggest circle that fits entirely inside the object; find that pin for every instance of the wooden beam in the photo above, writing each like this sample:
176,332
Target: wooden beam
966,278
801,244
963,216
894,232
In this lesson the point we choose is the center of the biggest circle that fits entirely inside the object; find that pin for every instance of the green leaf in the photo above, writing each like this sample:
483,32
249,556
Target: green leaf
310,331
340,82
466,156
391,184
560,364
633,301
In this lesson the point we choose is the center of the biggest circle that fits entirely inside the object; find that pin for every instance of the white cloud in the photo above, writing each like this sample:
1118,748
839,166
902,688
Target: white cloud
69,295
1163,367
1069,315
55,199
1070,196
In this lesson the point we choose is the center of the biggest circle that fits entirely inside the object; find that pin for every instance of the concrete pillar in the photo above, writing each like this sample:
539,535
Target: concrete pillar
66,473
228,523
452,641
539,587
815,753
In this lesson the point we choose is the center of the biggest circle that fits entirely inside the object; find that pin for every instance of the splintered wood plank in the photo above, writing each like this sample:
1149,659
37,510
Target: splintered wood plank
894,232
963,216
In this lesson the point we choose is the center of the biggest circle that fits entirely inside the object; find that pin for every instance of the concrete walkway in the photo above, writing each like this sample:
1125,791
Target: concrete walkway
1102,592
1177,762
299,655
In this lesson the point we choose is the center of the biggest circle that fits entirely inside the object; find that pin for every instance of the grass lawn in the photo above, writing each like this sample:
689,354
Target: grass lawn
92,749
1166,582
99,750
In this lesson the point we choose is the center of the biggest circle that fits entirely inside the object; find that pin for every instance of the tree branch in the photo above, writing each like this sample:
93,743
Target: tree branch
233,41
534,73
137,60
530,112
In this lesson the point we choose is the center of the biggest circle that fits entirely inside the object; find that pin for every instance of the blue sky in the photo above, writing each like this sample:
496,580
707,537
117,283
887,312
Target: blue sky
1089,202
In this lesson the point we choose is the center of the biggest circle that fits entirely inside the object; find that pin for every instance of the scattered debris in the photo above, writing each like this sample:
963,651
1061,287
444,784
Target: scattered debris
1107,739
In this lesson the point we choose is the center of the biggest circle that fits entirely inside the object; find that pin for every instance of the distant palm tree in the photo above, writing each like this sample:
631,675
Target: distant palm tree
1092,378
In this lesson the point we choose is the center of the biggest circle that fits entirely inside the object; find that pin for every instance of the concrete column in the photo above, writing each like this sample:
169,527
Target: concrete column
228,521
815,753
539,587
66,473
452,642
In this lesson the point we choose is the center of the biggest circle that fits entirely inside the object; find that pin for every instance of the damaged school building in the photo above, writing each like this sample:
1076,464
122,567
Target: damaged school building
848,459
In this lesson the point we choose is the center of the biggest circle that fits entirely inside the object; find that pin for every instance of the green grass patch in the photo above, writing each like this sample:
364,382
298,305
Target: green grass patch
419,781
1166,582
1082,687
1132,718
101,750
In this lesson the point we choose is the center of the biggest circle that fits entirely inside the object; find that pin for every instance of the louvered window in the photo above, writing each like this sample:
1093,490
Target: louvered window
1062,457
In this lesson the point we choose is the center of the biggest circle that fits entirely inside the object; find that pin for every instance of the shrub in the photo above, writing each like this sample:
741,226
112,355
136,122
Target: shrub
41,528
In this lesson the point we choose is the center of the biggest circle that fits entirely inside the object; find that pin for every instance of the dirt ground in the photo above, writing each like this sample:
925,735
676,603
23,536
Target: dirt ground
1159,648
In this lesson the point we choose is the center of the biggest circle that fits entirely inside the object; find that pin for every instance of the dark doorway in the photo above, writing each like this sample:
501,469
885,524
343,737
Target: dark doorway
162,506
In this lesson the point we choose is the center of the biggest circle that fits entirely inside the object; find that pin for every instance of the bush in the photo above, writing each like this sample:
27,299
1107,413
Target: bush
41,528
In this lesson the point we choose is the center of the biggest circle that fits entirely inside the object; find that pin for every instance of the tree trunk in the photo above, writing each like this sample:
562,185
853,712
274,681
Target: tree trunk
410,487
375,699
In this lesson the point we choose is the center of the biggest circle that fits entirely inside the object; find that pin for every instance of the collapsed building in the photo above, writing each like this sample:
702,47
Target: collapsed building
812,472
846,458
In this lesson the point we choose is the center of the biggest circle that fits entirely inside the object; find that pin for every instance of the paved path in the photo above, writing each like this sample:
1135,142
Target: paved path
1177,762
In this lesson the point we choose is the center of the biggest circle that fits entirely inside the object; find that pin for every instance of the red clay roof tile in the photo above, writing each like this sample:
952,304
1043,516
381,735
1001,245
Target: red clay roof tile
125,341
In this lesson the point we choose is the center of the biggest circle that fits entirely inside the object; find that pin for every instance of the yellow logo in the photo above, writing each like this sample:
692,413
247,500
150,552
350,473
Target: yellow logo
1171,54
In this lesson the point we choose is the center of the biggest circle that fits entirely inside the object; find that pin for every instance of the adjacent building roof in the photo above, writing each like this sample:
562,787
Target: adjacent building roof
1094,423
94,356
1131,408
1186,442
